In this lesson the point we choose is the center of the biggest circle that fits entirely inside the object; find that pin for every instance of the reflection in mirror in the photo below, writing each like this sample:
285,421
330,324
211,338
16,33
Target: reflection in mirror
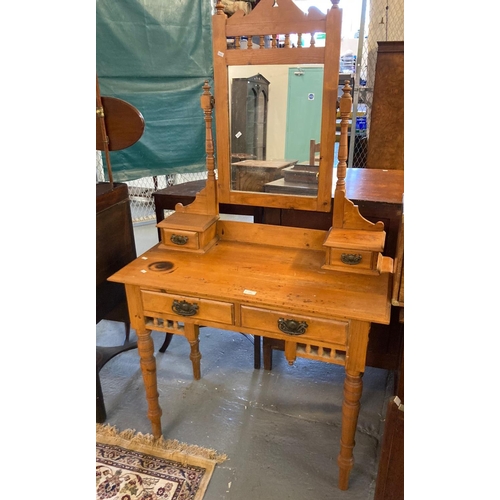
249,99
275,113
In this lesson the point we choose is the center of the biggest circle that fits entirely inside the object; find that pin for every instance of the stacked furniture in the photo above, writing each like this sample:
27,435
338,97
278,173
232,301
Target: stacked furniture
115,247
118,126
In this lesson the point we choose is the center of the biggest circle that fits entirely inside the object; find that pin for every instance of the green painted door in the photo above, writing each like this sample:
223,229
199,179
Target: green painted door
303,123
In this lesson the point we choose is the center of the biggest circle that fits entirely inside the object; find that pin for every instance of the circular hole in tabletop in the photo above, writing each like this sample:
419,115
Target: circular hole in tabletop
163,265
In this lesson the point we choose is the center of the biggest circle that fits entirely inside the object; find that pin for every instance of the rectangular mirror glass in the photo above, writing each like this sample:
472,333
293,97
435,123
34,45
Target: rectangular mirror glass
275,113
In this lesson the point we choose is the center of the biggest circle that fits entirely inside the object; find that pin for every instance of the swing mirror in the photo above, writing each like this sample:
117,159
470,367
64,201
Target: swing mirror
271,100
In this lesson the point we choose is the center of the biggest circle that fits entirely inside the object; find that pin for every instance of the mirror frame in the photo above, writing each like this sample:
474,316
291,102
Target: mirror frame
285,18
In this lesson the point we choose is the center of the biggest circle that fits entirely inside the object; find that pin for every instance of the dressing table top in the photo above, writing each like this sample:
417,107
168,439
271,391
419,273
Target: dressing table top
288,278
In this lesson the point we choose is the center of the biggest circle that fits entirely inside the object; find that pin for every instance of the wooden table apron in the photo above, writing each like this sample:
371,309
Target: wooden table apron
249,288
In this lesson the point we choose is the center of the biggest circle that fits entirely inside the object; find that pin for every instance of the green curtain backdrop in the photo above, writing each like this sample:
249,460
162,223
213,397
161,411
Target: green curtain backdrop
156,55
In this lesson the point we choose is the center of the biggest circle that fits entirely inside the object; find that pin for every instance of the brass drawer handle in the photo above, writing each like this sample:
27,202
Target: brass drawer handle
177,239
292,327
184,308
351,258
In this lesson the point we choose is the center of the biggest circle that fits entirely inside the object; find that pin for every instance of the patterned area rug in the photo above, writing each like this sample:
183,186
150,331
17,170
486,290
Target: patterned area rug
135,466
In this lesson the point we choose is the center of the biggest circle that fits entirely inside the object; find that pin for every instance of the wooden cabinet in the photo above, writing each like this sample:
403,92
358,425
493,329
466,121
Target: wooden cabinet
249,98
386,134
390,480
115,247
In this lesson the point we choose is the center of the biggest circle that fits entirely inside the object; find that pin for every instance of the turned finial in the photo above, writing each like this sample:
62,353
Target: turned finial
346,99
335,4
345,111
219,7
206,99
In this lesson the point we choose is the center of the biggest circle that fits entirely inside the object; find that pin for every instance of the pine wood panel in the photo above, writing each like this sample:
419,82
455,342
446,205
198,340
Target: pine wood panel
208,310
231,268
317,328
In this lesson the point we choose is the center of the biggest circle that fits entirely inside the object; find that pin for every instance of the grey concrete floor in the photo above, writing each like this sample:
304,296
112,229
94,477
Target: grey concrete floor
280,429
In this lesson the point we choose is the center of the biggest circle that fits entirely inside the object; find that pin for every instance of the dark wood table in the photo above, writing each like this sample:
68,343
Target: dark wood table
378,194
185,193
252,175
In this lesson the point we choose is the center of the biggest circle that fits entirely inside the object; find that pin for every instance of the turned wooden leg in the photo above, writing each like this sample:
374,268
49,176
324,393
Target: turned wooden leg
353,387
192,332
145,347
290,352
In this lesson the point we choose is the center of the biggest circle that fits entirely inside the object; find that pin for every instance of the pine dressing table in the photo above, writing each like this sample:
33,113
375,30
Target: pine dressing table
318,291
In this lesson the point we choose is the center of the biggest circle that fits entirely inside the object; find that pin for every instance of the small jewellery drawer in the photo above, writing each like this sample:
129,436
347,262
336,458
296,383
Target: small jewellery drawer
294,325
353,258
188,307
180,239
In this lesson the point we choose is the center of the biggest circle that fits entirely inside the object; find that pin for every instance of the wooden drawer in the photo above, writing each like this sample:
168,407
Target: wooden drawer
353,258
326,330
191,308
180,239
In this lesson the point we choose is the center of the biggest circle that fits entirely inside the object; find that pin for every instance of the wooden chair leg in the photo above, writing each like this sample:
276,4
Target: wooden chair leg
166,342
103,355
267,352
99,402
127,332
256,351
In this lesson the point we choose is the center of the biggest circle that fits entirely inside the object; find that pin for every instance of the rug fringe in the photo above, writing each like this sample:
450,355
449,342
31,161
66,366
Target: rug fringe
169,445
